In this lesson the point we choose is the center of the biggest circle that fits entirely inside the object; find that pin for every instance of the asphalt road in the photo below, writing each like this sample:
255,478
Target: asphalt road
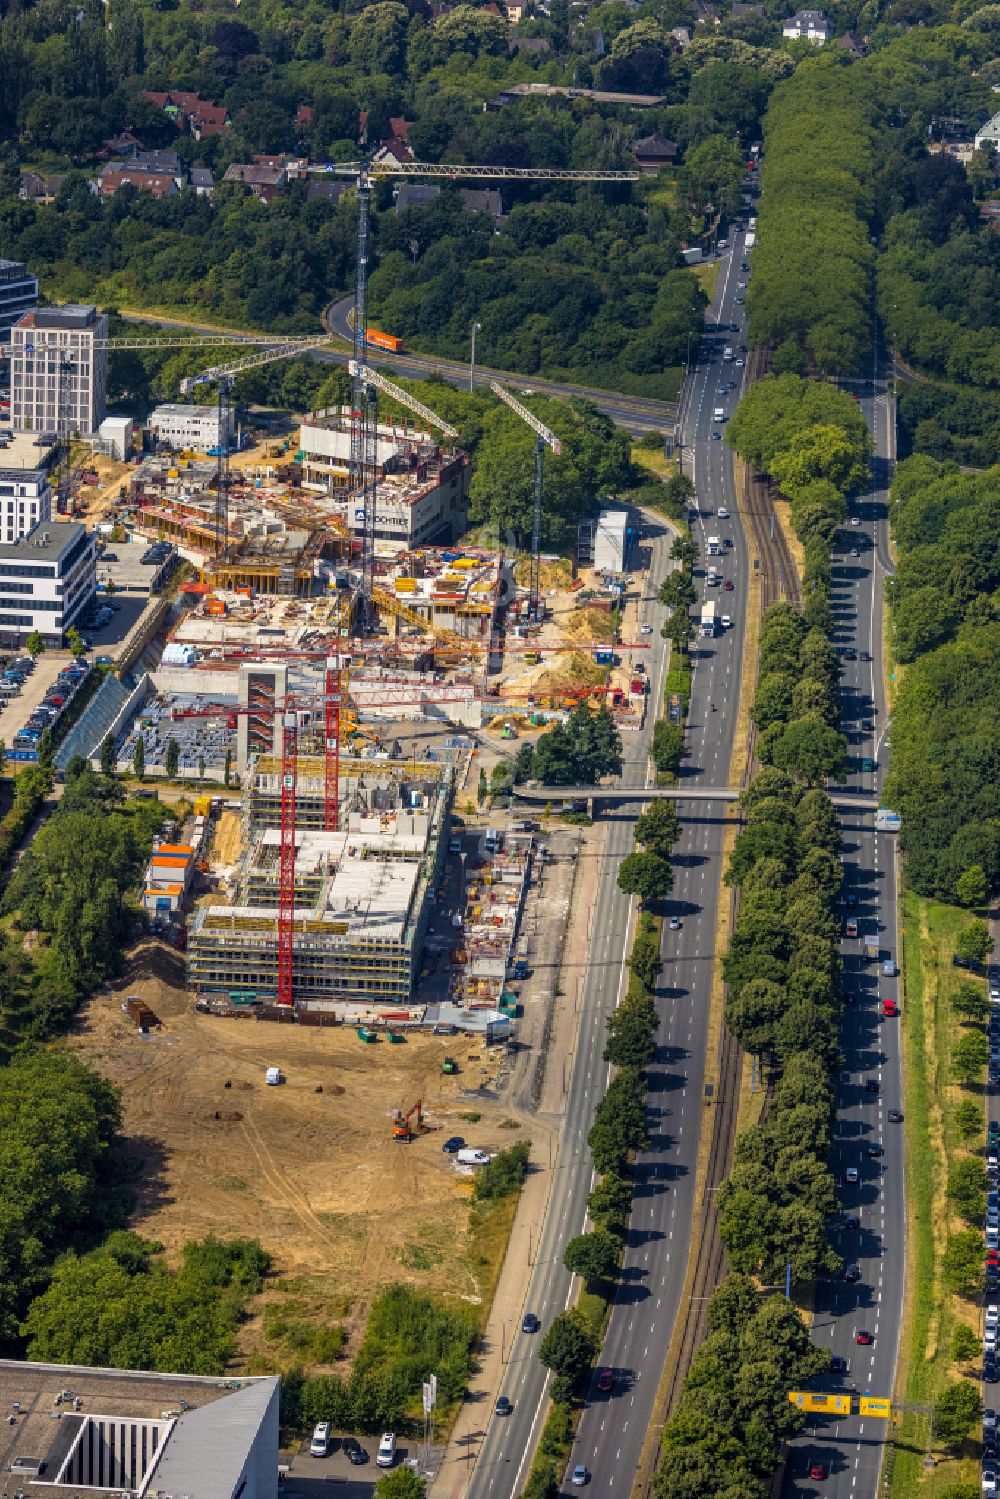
613,1425
851,1449
635,414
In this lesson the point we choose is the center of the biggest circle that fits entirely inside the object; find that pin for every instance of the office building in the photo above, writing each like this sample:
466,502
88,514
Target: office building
59,371
47,580
18,295
25,491
83,1432
196,427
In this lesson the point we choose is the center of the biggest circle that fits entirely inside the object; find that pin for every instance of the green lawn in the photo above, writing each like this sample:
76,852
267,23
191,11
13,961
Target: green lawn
930,1310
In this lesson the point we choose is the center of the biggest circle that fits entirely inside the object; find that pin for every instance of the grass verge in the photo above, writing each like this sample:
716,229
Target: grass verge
933,1142
706,275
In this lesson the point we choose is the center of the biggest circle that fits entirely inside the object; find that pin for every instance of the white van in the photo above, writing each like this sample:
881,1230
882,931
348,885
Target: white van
727,354
470,1157
718,415
320,1444
386,1449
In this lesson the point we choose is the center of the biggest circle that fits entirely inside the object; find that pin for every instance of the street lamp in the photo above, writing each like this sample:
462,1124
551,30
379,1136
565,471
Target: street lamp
476,328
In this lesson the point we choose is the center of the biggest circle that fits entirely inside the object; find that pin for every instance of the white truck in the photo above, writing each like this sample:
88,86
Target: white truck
713,547
749,241
708,618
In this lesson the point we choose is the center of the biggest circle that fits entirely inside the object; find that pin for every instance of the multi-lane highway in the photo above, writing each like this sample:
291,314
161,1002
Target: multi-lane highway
614,1424
871,1235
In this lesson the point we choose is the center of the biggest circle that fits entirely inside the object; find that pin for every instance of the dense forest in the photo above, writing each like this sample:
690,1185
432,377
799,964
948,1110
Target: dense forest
945,772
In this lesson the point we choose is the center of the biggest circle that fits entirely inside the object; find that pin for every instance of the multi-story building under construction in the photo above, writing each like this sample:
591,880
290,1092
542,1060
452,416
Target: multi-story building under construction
362,893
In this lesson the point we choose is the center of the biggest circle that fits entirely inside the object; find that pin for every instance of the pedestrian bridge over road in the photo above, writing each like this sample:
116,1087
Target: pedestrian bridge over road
841,799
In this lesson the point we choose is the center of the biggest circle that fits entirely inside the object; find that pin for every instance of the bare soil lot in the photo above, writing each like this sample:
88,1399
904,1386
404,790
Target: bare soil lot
309,1167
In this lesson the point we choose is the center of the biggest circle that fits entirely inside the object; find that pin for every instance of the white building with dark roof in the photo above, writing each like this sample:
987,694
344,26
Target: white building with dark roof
989,134
808,26
47,581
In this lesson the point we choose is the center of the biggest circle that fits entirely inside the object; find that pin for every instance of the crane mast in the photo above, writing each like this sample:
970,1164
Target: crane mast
543,437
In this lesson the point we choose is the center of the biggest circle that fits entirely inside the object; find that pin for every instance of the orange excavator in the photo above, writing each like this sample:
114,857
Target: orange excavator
402,1129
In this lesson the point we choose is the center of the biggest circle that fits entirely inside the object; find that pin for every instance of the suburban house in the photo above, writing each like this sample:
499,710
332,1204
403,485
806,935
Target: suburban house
200,116
202,181
37,189
738,10
536,44
126,144
264,182
989,134
304,116
393,151
809,26
474,200
326,190
852,44
159,184
654,152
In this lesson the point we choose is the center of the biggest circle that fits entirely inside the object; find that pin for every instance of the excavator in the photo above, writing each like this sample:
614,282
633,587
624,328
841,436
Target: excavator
401,1126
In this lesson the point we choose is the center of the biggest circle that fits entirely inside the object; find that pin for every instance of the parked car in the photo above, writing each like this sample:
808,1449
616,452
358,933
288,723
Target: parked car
320,1444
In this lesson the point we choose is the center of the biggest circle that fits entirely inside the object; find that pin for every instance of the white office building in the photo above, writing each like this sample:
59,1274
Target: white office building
25,491
612,541
18,295
47,581
194,427
59,378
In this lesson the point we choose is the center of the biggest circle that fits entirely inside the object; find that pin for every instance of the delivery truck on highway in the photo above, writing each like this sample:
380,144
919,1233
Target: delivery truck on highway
708,617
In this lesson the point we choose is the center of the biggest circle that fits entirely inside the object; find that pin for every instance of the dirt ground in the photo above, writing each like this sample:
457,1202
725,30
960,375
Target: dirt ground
310,1167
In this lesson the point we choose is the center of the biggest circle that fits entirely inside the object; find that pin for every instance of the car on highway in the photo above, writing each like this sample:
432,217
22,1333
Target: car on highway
852,1272
871,1085
989,1419
864,1337
865,656
989,1480
725,621
580,1475
850,654
722,513
851,929
716,436
874,1150
503,1406
851,1175
356,1454
605,1380
450,1147
990,1369
855,520
530,1323
739,363
675,923
895,1116
817,1470
838,1364
851,1220
990,1445
645,629
728,585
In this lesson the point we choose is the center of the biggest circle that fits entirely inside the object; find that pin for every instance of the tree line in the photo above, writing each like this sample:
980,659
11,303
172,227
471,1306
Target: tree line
945,628
812,264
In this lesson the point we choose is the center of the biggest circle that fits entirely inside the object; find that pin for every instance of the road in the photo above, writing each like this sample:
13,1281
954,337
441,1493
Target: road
635,414
852,1448
613,1426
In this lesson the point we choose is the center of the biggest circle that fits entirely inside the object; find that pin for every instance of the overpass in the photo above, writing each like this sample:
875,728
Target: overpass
840,799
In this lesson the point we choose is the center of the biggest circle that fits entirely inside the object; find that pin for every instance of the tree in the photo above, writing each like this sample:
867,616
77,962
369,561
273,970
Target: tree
646,875
3,756
74,640
139,759
962,1262
401,1483
610,1202
658,828
972,887
969,1119
969,1057
172,758
568,1346
227,768
631,1042
956,1410
968,999
667,749
201,767
34,644
973,944
965,1344
109,751
967,1187
595,1256
46,749
806,748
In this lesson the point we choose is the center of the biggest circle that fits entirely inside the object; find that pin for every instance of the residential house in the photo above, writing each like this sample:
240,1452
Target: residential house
326,190
304,116
400,128
202,181
809,26
536,44
185,108
159,184
483,200
654,152
738,10
705,15
989,134
682,36
415,195
126,144
393,152
37,189
264,182
851,44
515,11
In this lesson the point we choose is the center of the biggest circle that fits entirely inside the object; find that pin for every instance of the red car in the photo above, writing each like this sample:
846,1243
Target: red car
863,1336
993,1258
817,1470
605,1380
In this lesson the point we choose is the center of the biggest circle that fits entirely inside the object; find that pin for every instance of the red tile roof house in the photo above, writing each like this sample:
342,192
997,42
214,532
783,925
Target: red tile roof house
160,184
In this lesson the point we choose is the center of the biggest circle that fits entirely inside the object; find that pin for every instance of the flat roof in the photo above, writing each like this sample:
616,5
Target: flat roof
196,1458
26,451
46,542
73,315
127,569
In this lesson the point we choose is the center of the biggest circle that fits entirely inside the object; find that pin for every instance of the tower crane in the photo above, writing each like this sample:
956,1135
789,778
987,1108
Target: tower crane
373,377
542,437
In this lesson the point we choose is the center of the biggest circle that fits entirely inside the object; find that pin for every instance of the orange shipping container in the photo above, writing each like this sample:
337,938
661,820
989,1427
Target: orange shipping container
385,341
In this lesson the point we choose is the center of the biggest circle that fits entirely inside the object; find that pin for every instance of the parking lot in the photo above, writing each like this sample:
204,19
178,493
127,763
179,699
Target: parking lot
312,1476
17,711
114,632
